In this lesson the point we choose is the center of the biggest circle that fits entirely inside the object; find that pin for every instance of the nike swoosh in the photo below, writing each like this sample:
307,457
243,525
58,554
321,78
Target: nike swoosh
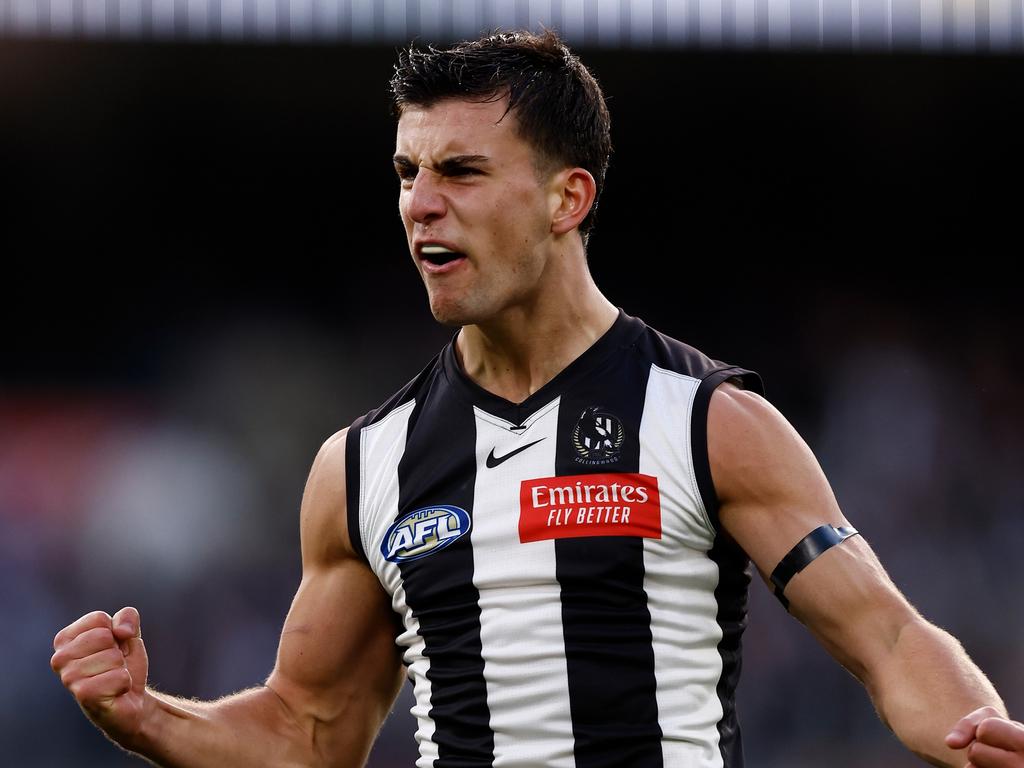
493,461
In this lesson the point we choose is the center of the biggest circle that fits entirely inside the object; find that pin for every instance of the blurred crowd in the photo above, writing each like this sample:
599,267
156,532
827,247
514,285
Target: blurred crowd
179,494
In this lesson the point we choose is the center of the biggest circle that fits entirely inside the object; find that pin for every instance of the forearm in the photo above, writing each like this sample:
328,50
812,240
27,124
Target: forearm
924,686
252,728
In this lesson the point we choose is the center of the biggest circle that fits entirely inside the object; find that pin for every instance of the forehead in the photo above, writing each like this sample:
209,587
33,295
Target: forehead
457,126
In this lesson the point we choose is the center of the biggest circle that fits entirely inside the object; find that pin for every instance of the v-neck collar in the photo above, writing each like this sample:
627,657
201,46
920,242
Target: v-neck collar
621,334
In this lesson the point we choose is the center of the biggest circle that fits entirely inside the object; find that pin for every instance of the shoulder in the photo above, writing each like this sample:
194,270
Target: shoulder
750,443
675,356
735,410
323,514
414,389
770,486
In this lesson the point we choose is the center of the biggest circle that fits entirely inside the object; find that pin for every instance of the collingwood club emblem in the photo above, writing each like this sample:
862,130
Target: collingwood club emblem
597,437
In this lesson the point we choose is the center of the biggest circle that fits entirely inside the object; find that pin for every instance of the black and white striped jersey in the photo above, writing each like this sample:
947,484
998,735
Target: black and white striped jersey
565,594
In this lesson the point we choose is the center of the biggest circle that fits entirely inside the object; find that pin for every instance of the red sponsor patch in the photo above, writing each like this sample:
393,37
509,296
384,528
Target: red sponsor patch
618,504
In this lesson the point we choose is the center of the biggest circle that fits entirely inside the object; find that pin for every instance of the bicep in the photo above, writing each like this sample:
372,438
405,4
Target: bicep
773,493
338,668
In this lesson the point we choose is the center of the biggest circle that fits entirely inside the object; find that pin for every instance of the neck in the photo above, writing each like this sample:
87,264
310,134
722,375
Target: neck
527,344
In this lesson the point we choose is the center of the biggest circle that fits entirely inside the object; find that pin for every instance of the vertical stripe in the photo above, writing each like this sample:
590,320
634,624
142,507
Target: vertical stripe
692,16
590,25
557,14
214,18
746,22
731,596
412,18
804,24
837,23
906,24
113,18
641,31
931,24
731,592
573,21
710,20
249,18
778,23
660,22
948,24
446,23
353,486
522,13
419,669
998,24
376,450
520,612
981,25
761,29
604,608
439,589
728,23
681,581
873,23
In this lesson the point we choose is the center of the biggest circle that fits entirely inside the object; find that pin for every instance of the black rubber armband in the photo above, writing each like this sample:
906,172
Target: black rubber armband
803,554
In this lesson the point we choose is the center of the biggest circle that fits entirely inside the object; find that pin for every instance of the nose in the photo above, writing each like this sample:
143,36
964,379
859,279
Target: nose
425,201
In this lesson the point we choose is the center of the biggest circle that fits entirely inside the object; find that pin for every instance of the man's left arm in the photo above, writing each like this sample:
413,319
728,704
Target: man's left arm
773,493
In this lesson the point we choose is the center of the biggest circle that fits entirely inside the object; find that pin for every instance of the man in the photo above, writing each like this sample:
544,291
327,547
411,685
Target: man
559,508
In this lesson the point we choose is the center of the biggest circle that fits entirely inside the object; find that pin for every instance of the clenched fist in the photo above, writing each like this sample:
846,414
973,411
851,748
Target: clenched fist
992,741
103,662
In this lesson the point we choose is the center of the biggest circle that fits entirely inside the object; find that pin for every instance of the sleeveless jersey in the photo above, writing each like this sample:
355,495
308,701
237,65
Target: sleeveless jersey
567,599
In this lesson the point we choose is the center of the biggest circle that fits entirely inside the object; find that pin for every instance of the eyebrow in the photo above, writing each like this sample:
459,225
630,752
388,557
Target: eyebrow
446,165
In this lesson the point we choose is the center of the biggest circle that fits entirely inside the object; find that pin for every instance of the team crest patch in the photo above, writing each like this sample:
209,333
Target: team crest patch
423,532
597,437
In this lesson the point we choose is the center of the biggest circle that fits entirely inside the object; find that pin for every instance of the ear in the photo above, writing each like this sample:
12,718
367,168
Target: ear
574,190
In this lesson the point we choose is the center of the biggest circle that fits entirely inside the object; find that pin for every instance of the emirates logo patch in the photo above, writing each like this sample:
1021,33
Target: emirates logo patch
614,504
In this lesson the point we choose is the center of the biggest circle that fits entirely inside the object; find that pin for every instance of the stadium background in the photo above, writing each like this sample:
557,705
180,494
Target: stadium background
205,276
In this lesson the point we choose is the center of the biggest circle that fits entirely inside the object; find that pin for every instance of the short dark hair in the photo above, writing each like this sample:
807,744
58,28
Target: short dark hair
559,107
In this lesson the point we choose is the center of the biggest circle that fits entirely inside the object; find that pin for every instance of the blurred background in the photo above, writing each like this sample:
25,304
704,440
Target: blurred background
205,276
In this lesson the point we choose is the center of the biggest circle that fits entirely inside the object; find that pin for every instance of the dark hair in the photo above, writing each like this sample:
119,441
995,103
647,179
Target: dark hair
558,105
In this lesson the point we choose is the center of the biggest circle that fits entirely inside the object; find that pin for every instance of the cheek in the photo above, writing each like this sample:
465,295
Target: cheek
523,211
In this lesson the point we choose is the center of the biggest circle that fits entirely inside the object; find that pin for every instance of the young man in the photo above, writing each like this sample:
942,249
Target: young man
559,509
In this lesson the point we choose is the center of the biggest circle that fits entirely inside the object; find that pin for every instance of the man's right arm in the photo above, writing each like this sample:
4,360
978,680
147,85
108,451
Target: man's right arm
338,669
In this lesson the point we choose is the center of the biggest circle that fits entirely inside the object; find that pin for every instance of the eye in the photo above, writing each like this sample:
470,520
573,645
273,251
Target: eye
406,173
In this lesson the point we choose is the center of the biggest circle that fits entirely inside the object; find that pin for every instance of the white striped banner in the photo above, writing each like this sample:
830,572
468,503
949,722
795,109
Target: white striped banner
899,25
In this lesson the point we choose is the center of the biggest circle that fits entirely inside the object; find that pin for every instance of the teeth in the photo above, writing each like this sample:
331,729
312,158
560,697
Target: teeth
432,250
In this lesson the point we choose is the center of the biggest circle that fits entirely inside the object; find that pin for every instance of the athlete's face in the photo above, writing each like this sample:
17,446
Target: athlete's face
477,215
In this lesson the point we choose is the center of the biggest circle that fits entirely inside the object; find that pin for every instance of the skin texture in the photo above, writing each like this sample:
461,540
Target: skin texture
991,740
523,293
527,304
338,669
773,493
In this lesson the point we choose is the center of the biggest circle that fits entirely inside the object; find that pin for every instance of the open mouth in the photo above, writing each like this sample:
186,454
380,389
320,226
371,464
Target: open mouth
438,255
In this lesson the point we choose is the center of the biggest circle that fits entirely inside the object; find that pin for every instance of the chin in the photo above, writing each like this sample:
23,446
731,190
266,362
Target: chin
453,312
447,313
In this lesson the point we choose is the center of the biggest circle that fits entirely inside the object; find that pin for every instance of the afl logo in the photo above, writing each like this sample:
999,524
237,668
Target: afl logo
598,437
423,532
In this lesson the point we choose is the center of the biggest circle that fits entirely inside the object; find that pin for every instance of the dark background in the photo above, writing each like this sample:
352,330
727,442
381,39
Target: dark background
205,276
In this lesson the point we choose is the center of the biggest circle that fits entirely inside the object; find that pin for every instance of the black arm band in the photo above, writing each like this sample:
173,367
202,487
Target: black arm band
807,549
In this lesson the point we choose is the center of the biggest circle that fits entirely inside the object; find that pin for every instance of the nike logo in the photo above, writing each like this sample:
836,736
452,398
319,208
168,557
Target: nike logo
493,461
